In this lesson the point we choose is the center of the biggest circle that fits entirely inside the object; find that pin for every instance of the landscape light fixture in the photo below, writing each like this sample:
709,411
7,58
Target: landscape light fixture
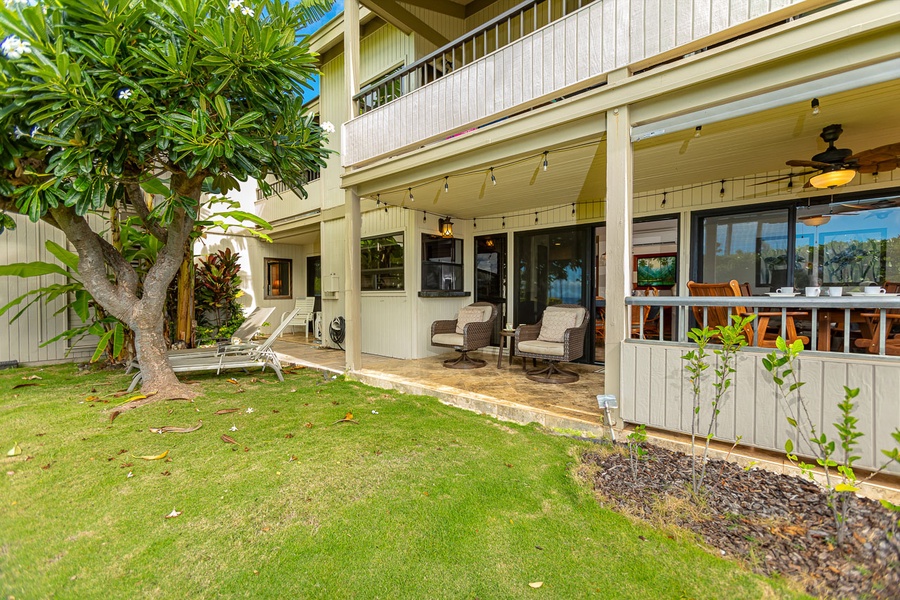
446,227
833,177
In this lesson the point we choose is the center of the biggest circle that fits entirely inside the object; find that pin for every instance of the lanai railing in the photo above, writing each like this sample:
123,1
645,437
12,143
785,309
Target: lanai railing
656,391
525,58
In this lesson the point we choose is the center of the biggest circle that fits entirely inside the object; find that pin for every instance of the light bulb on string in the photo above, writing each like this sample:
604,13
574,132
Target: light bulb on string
493,179
503,224
573,209
446,184
722,190
546,162
474,223
411,199
697,130
535,218
815,106
424,217
663,203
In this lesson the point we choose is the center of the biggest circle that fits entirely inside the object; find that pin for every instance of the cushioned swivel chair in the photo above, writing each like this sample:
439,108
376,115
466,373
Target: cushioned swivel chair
470,330
557,337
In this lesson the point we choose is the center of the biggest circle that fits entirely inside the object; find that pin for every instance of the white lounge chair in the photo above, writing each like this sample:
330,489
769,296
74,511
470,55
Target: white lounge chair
246,332
231,357
304,314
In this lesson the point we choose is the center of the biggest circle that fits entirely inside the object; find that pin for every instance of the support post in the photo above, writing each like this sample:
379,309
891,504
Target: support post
353,283
619,191
351,54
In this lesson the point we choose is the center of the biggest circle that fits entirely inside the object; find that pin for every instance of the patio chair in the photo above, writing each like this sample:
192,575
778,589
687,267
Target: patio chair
245,333
304,315
720,315
470,330
231,357
557,337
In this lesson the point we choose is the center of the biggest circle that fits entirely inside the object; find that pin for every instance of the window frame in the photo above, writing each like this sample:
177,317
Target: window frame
268,286
380,274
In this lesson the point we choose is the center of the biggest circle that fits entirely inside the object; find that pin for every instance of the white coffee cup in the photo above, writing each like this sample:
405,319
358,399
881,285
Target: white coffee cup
784,290
835,291
813,291
874,289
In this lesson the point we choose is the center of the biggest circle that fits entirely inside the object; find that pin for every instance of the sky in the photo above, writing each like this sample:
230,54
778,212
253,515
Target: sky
337,8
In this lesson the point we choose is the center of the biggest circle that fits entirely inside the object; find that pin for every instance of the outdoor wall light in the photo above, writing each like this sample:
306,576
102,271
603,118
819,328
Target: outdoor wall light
446,227
833,178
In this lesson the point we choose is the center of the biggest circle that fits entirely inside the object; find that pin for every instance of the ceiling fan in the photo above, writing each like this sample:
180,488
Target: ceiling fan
838,166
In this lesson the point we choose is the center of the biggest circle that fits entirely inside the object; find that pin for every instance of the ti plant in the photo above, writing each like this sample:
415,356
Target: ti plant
636,450
836,463
732,338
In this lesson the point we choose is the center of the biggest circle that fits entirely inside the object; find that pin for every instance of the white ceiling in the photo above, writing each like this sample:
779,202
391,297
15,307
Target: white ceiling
756,143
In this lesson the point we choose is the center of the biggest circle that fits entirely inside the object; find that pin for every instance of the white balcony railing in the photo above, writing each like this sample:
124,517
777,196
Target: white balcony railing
596,39
655,388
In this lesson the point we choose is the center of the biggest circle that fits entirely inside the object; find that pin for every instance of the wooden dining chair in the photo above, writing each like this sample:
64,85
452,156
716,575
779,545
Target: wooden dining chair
720,315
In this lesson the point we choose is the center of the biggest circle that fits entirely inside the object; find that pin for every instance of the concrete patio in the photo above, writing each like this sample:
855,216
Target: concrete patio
502,392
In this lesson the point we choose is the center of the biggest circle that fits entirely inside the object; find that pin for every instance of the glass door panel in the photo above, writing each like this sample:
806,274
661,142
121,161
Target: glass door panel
490,278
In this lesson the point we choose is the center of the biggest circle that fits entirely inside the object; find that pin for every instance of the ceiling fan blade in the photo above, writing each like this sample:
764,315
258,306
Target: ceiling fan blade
783,177
808,163
879,154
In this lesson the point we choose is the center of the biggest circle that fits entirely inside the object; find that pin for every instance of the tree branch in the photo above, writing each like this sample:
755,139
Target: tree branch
136,198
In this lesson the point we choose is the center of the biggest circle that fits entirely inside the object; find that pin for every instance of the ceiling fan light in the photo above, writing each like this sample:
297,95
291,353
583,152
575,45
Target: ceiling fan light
830,179
815,220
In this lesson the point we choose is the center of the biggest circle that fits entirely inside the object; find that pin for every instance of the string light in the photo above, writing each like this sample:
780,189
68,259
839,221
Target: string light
411,199
722,190
535,218
573,209
503,224
474,223
546,162
815,106
493,179
424,217
446,183
663,203
697,130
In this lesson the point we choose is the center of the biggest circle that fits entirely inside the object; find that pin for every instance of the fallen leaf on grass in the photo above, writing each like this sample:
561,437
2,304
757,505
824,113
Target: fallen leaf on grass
15,451
309,425
171,429
92,399
228,439
157,457
225,411
536,584
27,458
21,385
46,467
126,465
122,451
288,436
33,377
165,473
173,514
232,381
130,474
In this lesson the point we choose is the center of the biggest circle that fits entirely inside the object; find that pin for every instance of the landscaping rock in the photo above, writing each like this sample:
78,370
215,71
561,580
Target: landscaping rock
774,523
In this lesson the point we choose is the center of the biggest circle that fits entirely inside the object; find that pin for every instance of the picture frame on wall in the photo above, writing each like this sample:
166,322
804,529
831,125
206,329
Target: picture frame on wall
656,270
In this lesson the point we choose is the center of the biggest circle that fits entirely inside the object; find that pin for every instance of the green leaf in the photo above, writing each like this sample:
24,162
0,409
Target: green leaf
81,305
118,339
70,259
789,446
155,186
32,269
101,345
845,487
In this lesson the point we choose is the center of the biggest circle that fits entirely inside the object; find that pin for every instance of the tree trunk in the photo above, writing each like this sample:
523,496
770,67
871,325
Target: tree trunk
184,321
144,313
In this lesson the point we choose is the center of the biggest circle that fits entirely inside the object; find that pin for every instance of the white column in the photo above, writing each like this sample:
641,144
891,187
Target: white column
353,283
352,215
351,54
619,188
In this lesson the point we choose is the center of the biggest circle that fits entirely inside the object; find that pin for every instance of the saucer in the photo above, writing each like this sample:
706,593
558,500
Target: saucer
870,295
780,295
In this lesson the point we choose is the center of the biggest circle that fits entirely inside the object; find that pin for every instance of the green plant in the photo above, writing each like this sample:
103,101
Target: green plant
837,464
636,450
217,288
142,106
732,339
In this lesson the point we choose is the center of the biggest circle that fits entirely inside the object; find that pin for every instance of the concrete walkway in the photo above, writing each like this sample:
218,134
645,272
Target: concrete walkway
504,393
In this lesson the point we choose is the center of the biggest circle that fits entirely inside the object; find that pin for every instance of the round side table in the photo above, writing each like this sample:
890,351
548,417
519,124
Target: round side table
507,334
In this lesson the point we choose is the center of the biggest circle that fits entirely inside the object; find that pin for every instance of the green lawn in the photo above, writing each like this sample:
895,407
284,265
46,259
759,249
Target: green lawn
417,501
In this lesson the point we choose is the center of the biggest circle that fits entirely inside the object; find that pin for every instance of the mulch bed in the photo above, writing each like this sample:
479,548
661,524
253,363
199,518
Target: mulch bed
774,523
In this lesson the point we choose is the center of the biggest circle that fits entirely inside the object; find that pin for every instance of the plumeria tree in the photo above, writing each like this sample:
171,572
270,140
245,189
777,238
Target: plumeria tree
134,106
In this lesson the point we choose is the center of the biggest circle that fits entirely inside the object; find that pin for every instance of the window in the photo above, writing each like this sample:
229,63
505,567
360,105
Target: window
442,264
381,264
278,278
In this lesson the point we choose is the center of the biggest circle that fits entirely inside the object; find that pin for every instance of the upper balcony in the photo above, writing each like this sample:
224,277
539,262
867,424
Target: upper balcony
284,205
539,51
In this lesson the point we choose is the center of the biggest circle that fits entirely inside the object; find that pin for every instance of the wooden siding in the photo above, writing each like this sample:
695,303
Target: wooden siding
593,41
21,340
656,392
333,248
288,204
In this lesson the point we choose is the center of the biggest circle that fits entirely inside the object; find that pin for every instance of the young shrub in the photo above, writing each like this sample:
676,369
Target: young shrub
837,463
636,450
217,288
732,339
